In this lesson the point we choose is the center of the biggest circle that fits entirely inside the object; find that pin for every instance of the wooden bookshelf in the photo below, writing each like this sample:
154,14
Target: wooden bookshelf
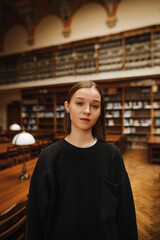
63,63
135,49
59,112
44,65
156,44
156,111
113,110
45,113
29,111
134,111
26,68
110,57
85,60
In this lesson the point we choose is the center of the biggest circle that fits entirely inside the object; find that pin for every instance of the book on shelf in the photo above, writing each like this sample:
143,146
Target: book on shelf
128,130
127,113
145,122
157,122
42,108
128,105
110,122
108,114
156,131
60,114
116,114
156,105
156,113
60,107
45,114
137,105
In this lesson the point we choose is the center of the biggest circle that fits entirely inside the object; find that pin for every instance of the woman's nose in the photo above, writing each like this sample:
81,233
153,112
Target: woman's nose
87,110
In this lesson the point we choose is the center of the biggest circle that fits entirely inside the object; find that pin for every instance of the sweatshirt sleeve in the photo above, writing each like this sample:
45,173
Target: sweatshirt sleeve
39,199
126,217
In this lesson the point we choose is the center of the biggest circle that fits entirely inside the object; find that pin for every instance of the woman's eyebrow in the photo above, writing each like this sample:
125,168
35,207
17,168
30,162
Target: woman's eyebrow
84,99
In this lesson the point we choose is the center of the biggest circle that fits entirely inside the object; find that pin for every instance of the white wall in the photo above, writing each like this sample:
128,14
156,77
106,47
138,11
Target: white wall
89,21
6,98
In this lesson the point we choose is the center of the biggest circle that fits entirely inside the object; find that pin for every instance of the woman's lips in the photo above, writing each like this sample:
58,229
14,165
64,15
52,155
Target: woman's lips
85,119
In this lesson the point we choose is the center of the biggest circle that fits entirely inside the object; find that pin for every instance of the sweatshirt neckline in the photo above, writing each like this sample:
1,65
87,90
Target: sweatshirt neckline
79,148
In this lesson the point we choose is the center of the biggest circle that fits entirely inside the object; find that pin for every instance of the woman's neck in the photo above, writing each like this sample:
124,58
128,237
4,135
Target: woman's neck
80,139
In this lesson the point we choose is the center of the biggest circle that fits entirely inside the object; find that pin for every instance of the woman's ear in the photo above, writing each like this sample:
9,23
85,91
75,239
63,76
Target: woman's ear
66,105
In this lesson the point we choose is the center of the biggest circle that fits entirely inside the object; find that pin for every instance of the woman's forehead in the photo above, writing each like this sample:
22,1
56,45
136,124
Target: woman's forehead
87,93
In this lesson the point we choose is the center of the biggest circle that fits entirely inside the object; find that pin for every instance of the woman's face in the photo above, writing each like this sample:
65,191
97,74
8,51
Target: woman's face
84,109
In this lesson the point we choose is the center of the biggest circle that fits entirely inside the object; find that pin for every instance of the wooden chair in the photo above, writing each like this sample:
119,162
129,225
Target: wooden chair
13,222
35,151
12,153
5,163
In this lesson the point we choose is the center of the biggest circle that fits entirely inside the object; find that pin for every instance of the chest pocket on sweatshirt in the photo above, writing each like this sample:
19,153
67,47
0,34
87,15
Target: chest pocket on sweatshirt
109,201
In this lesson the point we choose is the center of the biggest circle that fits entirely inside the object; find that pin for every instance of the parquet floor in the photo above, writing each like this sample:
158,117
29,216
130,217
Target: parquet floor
145,182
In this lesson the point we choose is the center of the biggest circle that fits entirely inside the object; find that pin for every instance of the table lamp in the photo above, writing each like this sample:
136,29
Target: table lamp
15,127
23,139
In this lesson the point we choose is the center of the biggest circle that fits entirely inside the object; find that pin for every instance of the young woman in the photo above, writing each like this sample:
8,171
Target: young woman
80,188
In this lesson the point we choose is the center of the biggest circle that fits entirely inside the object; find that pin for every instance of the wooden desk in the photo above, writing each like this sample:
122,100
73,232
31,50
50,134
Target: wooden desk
154,149
118,140
4,147
12,190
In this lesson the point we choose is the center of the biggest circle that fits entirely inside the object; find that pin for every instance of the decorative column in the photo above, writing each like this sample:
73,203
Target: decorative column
111,8
65,11
25,10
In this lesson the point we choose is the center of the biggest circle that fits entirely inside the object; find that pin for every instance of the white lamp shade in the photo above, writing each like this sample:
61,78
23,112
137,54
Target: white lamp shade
23,138
15,127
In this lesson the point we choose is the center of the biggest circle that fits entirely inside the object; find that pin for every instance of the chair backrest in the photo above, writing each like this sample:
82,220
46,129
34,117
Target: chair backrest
35,150
12,153
13,222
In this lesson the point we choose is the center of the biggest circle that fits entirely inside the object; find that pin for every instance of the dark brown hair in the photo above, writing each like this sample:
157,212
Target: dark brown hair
98,129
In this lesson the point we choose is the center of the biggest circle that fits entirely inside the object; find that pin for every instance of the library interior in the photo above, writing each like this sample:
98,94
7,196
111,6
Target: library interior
47,46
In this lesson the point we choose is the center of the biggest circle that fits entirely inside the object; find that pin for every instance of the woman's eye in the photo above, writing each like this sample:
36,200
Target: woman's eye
95,106
79,103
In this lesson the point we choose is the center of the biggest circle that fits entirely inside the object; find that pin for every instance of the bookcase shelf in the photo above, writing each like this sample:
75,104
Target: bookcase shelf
137,114
113,110
135,49
156,112
110,56
134,111
26,69
44,65
157,48
45,114
29,111
85,60
63,63
59,111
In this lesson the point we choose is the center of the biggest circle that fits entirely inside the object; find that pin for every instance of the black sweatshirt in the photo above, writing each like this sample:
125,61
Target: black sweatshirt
81,194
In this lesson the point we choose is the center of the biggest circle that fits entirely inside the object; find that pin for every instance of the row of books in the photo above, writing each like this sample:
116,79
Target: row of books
157,113
137,122
45,114
113,105
28,115
60,107
128,130
113,114
157,122
29,121
29,127
138,64
156,131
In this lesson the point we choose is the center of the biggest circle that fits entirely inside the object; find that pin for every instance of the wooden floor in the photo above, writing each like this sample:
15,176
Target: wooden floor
145,182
